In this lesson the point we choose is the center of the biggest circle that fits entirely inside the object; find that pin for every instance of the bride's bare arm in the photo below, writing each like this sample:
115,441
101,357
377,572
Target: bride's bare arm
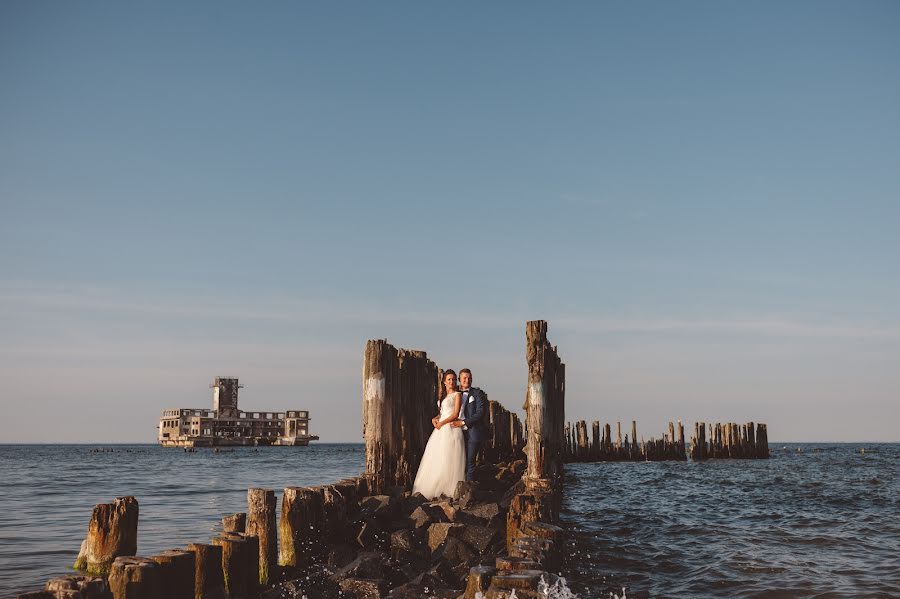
455,414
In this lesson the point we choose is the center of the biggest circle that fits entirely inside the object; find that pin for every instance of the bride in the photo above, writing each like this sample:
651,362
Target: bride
444,461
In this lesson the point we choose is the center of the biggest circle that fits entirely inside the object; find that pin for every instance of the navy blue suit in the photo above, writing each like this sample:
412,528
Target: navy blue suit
474,416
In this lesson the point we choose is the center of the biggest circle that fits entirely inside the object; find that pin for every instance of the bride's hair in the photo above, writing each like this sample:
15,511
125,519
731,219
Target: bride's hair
442,392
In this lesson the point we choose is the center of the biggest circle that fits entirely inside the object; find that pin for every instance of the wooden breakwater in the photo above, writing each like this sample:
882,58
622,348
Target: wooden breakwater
361,537
726,441
368,536
729,440
599,446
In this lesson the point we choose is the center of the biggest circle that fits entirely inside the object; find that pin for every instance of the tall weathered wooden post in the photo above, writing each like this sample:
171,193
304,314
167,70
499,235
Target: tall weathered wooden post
546,440
379,366
400,390
544,405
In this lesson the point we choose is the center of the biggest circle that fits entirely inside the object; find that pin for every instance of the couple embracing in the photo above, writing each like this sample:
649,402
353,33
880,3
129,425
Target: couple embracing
459,429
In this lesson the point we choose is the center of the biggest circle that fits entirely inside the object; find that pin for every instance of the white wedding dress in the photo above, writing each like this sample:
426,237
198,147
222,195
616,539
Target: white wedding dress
444,461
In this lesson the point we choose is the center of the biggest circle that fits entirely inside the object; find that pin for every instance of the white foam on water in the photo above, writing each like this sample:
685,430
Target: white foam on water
558,590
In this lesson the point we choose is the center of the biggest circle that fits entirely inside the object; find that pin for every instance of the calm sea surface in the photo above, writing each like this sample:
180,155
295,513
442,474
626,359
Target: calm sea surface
824,522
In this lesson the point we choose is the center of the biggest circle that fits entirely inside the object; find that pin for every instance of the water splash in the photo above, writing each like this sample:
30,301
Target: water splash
555,590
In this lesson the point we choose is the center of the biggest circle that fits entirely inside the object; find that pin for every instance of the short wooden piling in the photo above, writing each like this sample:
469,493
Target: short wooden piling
583,447
135,578
261,522
177,571
235,559
300,526
478,581
112,532
209,578
234,523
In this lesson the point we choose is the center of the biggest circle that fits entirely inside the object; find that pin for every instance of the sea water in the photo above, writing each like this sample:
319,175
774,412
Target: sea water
823,521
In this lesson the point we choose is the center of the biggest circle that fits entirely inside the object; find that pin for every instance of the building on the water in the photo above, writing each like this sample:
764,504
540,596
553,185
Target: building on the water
225,424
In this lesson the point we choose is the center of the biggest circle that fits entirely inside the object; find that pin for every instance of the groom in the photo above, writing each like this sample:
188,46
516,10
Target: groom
471,418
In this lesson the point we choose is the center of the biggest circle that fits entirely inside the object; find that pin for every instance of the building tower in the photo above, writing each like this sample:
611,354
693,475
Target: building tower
225,397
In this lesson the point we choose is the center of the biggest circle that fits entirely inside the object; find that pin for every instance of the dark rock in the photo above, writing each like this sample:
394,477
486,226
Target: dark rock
454,552
413,590
409,504
465,493
369,564
363,588
479,537
409,590
409,565
339,556
380,506
426,514
367,535
405,540
447,508
396,491
440,575
439,531
516,489
488,513
85,587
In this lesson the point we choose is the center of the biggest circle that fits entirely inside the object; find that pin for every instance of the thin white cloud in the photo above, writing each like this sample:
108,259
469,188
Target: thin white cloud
313,311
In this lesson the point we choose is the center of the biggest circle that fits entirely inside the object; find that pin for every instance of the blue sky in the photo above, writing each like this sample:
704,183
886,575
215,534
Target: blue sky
701,198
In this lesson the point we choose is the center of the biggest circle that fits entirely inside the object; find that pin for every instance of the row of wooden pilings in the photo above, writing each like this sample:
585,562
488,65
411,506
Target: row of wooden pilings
395,441
729,440
726,441
400,395
236,564
600,447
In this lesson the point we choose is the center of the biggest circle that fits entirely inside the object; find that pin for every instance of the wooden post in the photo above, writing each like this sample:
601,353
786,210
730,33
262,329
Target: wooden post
607,442
261,522
762,441
681,449
112,532
534,506
582,442
209,578
177,571
544,405
334,513
635,452
379,399
400,390
235,558
234,523
595,446
300,525
135,578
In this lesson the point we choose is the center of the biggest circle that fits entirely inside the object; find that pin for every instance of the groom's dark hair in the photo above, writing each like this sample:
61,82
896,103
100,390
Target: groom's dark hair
466,370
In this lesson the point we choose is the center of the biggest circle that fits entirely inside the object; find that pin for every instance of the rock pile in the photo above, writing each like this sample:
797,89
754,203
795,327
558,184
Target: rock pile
404,546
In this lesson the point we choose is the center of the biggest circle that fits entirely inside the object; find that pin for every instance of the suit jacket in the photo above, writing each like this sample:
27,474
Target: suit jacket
474,415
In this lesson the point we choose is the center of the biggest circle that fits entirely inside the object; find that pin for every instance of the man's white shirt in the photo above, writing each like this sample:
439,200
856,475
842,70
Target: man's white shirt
462,407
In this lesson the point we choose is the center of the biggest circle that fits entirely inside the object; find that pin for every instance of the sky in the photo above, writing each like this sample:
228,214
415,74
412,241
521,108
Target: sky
701,198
